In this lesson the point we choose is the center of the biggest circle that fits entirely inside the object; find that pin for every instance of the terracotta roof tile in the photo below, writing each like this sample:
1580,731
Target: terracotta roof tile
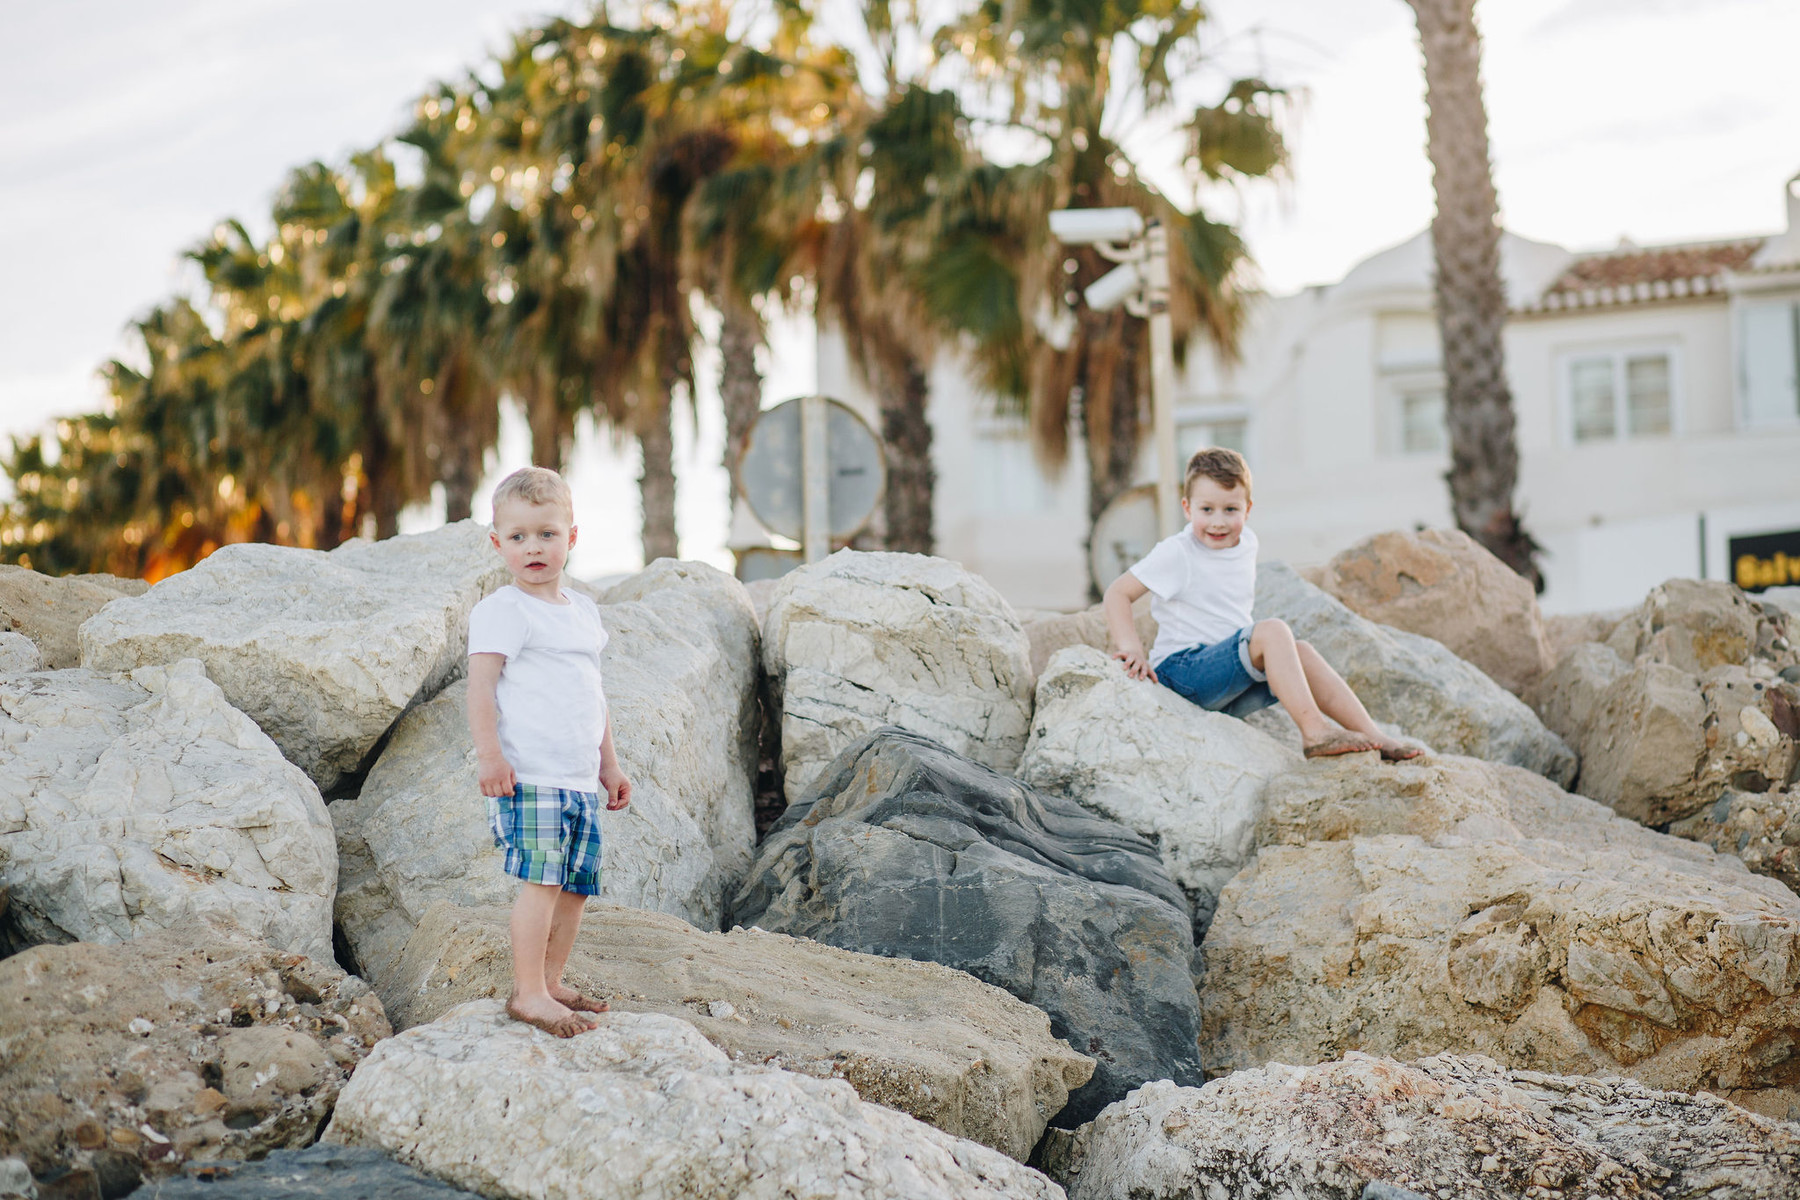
1634,275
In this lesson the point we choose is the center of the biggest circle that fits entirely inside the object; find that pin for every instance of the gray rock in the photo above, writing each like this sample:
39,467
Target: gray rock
1413,682
321,1172
323,650
908,850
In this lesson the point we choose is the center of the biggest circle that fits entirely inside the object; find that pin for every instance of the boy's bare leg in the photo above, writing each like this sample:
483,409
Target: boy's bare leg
1275,653
1339,702
565,923
531,1001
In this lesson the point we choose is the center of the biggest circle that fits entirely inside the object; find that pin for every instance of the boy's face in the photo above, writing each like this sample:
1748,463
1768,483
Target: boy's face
533,540
1216,512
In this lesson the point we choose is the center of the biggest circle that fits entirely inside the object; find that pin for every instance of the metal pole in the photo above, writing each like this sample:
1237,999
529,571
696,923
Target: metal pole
815,481
1162,378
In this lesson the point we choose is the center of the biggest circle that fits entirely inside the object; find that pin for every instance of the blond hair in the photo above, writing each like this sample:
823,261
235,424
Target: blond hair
535,485
1226,468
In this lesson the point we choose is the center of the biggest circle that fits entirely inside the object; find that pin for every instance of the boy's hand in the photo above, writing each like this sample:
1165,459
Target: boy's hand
618,788
496,775
1136,665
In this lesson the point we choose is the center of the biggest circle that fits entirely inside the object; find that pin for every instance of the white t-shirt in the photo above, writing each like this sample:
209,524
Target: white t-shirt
552,708
1198,596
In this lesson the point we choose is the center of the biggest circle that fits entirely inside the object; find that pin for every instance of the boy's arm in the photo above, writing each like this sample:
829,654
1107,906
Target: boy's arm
1124,592
612,776
484,725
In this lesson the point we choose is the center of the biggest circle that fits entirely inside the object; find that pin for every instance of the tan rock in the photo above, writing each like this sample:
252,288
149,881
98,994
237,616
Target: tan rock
196,1041
1444,585
643,1108
1694,625
954,1052
49,609
1443,1127
1464,907
1050,632
1762,829
1566,631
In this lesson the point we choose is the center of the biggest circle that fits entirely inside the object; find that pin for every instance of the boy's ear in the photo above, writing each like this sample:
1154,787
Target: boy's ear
575,529
494,538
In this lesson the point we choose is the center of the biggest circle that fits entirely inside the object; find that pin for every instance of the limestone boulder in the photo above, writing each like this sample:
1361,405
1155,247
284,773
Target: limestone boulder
1566,631
1189,780
1050,632
1787,599
907,850
323,650
131,802
954,1052
1444,585
863,640
1413,682
1762,829
642,1106
680,677
1462,907
49,609
19,654
191,1043
1691,624
1444,1126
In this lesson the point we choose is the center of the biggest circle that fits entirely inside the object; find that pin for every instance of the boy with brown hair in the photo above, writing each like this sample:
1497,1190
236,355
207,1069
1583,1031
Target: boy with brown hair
1202,583
543,742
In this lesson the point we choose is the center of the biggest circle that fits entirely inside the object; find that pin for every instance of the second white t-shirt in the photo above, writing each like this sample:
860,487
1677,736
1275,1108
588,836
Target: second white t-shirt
552,707
1198,596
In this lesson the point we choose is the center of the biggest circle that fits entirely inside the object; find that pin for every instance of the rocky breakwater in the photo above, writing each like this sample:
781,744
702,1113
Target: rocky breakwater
644,1107
1413,683
48,610
1189,780
131,802
1682,706
1444,585
952,1051
907,850
1458,906
190,1043
322,650
680,676
860,641
1443,1127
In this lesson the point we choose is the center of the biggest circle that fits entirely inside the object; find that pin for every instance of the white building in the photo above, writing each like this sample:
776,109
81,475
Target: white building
1657,393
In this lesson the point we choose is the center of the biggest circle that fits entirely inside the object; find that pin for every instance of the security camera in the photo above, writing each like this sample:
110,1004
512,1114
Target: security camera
1116,286
1085,226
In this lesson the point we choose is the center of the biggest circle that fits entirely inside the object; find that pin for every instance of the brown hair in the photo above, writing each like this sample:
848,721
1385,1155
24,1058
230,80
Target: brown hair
535,485
1226,468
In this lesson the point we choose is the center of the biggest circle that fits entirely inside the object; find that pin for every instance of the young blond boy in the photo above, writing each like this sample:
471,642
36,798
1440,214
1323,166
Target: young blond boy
543,740
1202,583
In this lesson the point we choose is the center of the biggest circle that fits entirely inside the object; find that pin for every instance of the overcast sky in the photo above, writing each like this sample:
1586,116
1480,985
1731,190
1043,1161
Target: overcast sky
127,129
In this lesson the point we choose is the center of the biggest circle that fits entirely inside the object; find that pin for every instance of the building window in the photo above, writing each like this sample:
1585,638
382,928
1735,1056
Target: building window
1769,368
1422,429
1627,393
1199,428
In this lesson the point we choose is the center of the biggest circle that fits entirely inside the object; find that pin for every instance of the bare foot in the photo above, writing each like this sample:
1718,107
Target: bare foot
1400,749
569,998
547,1015
1339,741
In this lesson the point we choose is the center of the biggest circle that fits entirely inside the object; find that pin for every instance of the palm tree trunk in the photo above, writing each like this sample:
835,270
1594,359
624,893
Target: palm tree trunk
1471,299
1111,422
656,485
907,503
740,384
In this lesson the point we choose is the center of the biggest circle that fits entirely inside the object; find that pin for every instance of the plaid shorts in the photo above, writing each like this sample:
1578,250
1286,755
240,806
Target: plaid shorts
550,835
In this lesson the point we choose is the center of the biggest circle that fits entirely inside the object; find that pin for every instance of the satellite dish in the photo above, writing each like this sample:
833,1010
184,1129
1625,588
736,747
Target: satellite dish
1124,533
772,478
765,562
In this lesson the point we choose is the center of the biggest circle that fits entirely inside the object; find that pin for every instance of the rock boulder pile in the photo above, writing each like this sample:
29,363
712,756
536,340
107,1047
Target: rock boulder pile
48,610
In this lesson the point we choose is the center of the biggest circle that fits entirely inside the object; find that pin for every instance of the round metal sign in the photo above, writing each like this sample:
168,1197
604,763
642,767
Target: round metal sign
772,479
1124,533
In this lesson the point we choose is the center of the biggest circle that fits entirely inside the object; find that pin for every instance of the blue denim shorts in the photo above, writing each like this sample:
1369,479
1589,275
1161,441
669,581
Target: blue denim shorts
1218,677
550,835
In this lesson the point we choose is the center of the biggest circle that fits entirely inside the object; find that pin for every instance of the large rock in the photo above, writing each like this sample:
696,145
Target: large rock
49,609
915,1036
1463,907
131,802
680,677
1050,632
19,654
321,1172
907,850
195,1042
863,640
1762,829
1413,682
323,650
1444,585
1443,1127
642,1106
1189,780
1693,625
1659,743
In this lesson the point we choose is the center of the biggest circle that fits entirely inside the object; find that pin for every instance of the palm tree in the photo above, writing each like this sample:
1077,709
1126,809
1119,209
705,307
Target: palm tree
1471,298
